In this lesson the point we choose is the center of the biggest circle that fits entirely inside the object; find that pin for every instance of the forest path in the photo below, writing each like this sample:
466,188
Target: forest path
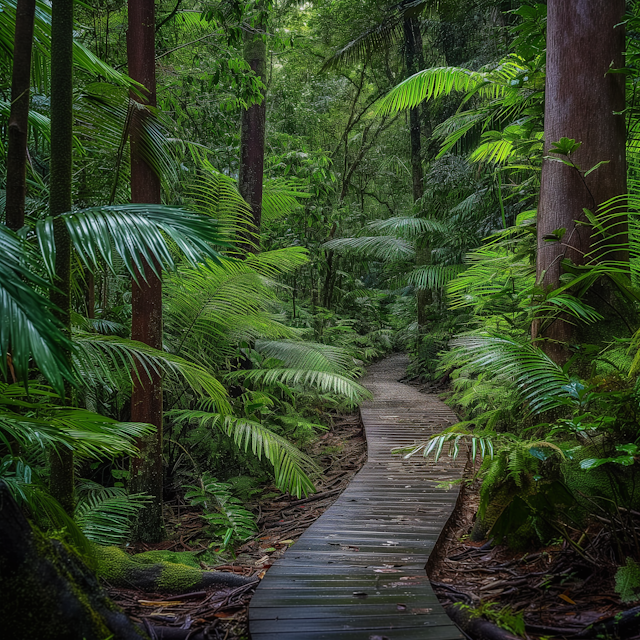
358,573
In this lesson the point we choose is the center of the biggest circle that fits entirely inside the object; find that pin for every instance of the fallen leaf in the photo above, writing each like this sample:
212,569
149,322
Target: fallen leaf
224,614
566,598
386,571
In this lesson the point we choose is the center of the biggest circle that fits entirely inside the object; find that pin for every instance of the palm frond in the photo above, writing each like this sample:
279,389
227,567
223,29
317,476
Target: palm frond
82,57
540,380
323,381
386,248
280,198
289,463
408,226
307,355
433,83
45,425
136,233
103,359
434,276
28,328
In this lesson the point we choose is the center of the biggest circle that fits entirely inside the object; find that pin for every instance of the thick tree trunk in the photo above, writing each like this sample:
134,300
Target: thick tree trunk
19,116
62,476
146,321
252,141
583,102
47,591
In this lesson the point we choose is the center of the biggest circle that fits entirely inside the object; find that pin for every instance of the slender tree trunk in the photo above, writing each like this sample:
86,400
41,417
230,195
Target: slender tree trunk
62,476
252,138
146,321
413,53
19,116
583,102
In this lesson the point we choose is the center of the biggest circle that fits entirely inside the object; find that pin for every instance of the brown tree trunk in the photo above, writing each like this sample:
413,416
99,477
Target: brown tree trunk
146,321
583,102
19,117
252,140
62,475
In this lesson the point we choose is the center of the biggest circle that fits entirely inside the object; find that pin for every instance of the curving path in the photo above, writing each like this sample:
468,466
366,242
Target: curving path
358,573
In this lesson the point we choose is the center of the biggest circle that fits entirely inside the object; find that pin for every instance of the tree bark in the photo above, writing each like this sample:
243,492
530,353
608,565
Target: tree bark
60,192
19,116
413,53
146,472
583,102
252,139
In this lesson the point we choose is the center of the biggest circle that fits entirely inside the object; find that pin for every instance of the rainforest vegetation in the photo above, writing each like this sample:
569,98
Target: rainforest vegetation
215,214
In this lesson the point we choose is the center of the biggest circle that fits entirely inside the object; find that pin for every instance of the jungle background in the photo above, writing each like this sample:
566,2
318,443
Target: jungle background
195,276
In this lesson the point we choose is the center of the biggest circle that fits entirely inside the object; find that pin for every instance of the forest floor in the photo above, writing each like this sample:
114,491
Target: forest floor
340,453
547,592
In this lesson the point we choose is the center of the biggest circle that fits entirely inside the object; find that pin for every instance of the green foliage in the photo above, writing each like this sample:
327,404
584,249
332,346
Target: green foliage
628,581
106,514
504,617
228,519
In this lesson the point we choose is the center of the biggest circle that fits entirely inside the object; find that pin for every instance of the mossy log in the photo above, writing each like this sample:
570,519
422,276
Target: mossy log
48,592
148,572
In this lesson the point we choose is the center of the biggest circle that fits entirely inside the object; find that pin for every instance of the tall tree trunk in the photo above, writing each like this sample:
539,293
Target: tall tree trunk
411,58
583,102
19,116
146,473
62,476
413,53
252,136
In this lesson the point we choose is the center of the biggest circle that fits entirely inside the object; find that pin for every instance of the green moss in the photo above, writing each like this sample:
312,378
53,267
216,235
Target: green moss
112,563
50,569
175,577
174,557
161,570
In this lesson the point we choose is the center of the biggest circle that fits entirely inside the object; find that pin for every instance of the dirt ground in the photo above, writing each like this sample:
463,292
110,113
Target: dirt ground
554,591
340,453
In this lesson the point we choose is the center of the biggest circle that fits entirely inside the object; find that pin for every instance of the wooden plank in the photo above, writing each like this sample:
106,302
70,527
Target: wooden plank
349,623
421,633
358,572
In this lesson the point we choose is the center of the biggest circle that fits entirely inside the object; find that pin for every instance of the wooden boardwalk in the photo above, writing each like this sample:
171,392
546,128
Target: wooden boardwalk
358,573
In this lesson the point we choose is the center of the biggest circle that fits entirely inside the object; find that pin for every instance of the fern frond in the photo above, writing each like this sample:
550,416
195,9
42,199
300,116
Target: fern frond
289,463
